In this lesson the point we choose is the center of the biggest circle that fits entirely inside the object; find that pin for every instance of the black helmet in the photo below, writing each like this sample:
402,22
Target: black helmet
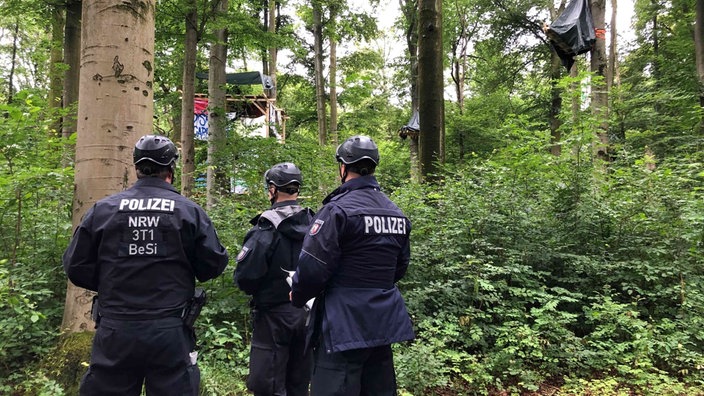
155,148
356,149
283,174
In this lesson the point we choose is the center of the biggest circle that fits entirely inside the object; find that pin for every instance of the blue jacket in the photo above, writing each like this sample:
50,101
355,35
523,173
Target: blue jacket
142,250
355,251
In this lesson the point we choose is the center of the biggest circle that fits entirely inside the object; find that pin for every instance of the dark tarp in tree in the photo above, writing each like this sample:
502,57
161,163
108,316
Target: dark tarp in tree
412,128
572,33
244,78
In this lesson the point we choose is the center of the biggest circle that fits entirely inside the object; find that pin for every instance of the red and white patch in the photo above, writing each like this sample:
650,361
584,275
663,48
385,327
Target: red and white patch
243,253
317,225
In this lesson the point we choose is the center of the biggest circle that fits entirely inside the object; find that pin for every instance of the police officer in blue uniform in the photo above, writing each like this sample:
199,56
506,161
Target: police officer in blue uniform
142,250
355,251
279,363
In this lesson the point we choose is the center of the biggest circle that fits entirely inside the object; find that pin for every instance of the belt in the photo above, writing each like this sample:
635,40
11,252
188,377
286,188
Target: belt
174,313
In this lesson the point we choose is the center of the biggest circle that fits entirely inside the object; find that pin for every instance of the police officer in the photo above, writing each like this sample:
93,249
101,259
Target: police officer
355,251
279,363
142,250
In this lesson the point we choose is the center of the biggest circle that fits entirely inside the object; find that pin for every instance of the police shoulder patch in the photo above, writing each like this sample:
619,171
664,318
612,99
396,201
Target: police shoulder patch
315,228
243,253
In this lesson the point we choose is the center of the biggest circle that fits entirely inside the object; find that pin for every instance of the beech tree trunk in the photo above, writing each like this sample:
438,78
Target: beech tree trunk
217,109
613,76
555,91
430,87
188,151
555,104
613,47
13,62
333,90
459,68
600,95
56,66
116,108
319,79
699,52
72,59
410,12
273,51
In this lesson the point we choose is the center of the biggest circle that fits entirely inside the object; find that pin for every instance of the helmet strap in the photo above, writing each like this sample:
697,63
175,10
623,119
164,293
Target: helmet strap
172,168
274,194
344,175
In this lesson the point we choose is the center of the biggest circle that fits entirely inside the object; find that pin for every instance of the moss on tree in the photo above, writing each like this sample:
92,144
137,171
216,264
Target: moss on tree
69,361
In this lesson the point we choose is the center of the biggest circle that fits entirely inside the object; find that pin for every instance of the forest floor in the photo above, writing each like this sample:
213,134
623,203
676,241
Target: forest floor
544,390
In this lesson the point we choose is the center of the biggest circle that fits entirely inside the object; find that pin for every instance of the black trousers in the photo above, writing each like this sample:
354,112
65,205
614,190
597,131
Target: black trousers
357,372
279,364
129,354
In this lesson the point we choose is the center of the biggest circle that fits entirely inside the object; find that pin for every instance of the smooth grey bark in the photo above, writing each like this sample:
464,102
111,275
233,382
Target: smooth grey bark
430,87
319,79
188,95
600,94
217,108
699,52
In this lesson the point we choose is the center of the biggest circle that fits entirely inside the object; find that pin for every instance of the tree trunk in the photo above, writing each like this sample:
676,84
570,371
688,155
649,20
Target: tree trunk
116,107
613,49
656,43
459,69
319,80
273,51
459,58
614,78
72,58
575,88
430,87
333,90
217,109
13,63
699,52
600,95
656,52
456,74
266,26
555,91
555,104
56,67
410,11
189,74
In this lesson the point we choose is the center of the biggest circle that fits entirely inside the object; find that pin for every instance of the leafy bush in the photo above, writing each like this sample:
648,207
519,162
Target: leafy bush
549,267
31,382
25,329
217,379
418,367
